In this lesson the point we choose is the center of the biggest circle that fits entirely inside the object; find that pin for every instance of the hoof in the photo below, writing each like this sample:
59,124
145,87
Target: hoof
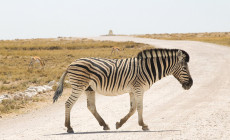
70,130
145,128
118,125
106,127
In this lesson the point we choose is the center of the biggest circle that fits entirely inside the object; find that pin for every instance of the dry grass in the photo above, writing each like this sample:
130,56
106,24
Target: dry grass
57,53
221,38
7,105
10,105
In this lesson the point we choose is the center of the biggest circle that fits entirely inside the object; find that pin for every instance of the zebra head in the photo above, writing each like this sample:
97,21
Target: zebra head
181,70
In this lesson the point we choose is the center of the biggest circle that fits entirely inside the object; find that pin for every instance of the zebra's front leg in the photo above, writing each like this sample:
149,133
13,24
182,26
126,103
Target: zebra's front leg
139,101
68,106
92,108
131,111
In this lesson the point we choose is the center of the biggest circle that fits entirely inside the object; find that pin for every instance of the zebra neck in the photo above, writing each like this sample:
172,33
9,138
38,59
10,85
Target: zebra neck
154,69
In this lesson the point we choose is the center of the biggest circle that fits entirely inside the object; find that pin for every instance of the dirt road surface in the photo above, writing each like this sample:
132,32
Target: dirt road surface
203,112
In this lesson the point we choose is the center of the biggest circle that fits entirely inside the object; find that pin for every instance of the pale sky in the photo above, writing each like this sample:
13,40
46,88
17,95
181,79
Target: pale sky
80,18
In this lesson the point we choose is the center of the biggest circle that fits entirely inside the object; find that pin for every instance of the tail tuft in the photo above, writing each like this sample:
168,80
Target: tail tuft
59,90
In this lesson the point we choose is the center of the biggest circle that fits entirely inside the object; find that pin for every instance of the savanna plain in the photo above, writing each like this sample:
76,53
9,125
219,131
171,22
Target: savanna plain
15,56
171,113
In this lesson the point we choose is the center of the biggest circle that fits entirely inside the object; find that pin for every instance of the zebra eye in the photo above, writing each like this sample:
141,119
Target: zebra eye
184,68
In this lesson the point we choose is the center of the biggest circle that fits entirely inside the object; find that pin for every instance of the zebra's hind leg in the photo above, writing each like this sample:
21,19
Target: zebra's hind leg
131,111
68,106
91,106
139,101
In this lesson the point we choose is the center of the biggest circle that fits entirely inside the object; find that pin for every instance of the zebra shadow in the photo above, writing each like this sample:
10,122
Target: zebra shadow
109,132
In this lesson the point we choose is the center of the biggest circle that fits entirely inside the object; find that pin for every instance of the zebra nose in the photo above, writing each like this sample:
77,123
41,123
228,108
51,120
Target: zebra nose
190,82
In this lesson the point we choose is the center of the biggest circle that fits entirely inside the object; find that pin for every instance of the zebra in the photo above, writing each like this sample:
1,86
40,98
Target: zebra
112,77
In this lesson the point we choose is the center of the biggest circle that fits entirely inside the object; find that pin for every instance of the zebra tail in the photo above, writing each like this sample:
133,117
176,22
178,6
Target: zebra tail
59,88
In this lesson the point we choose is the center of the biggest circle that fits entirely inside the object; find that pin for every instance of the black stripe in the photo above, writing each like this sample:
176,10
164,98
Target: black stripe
74,96
168,59
78,80
164,64
96,65
146,67
140,66
79,75
108,65
78,70
172,59
127,75
76,85
148,70
110,77
134,70
144,71
153,67
158,66
91,72
123,69
70,100
84,73
116,75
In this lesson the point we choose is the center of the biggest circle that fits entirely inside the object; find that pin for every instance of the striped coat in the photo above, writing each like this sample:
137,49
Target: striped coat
112,77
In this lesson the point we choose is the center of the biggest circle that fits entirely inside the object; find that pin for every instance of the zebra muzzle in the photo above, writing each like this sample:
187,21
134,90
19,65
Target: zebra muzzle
188,84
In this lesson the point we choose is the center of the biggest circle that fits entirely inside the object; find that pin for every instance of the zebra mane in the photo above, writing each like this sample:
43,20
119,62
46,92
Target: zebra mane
149,53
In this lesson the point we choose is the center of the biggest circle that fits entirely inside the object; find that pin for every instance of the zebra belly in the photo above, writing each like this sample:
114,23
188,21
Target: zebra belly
109,92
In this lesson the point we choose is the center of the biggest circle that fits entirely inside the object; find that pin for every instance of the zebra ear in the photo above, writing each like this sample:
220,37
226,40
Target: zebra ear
180,55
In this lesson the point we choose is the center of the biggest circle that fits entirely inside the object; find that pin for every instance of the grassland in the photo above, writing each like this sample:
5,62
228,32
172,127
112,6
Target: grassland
221,38
57,53
15,56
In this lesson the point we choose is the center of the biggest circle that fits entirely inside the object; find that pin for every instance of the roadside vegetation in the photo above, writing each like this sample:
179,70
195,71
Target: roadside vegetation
9,105
15,56
221,38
